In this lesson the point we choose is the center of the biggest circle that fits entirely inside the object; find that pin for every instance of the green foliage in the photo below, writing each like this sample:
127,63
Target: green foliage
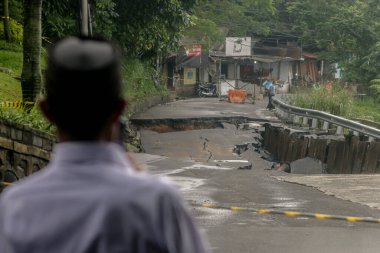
11,59
344,31
10,89
205,32
60,18
104,18
6,46
33,119
366,109
150,28
16,31
338,102
15,10
235,18
375,89
137,80
59,26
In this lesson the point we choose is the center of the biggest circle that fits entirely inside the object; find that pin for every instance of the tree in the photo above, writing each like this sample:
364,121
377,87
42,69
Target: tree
343,31
205,32
216,19
31,69
147,28
60,19
7,29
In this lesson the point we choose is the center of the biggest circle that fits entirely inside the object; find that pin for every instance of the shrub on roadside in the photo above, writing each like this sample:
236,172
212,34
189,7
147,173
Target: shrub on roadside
337,101
16,31
374,87
138,80
33,119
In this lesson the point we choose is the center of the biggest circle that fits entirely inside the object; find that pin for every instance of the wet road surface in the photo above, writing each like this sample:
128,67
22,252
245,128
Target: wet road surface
205,168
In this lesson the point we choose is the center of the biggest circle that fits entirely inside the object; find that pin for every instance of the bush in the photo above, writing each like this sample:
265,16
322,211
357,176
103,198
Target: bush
374,88
33,119
337,101
138,80
16,31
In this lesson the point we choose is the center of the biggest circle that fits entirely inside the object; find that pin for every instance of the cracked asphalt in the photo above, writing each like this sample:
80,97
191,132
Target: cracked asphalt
204,166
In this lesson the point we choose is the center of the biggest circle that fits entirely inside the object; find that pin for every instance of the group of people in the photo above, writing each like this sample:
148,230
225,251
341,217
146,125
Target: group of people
91,198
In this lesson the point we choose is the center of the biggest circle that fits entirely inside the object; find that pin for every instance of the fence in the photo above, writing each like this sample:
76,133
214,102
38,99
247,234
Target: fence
302,116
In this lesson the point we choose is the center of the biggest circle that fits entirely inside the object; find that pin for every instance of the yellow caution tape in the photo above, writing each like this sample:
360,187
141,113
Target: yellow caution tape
292,213
15,104
5,184
322,216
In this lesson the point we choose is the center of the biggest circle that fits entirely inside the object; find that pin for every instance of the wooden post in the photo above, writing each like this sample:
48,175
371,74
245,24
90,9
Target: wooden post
304,121
314,123
325,125
339,130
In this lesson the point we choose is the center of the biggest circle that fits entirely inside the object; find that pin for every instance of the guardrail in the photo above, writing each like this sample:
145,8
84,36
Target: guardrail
297,114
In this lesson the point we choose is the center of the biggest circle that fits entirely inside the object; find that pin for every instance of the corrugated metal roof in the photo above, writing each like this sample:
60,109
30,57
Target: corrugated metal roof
259,58
309,55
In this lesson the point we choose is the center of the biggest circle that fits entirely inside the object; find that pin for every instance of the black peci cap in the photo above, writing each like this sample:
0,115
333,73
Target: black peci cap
83,84
83,67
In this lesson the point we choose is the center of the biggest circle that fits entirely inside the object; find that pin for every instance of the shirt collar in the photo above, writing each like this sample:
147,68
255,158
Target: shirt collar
90,153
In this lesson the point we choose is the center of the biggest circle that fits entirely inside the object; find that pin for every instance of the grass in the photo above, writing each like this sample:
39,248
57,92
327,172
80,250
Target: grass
338,102
11,60
10,88
366,109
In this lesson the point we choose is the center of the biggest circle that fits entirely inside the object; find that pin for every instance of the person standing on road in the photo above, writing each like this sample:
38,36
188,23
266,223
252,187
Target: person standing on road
90,198
270,91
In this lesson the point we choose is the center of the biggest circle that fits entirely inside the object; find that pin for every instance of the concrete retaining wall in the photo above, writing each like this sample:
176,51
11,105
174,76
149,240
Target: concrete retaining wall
142,105
23,150
342,155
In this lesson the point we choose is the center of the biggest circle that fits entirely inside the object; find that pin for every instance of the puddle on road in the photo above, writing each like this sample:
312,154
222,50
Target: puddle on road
287,203
283,198
210,167
230,161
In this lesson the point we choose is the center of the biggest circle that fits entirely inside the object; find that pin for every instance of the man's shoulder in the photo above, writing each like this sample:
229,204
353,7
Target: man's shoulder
34,179
151,184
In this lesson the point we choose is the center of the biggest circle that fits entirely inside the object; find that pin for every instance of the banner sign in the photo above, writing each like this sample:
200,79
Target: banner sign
238,46
193,50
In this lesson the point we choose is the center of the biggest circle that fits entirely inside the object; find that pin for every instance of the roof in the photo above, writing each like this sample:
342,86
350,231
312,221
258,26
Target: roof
260,58
309,55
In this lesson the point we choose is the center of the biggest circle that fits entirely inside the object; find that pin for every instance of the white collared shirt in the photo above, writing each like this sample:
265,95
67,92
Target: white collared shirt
89,199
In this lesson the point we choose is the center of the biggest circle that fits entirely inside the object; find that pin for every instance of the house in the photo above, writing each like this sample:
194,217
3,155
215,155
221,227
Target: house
244,63
184,70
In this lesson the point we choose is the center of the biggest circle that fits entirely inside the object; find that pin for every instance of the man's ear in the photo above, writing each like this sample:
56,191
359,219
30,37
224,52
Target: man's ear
46,110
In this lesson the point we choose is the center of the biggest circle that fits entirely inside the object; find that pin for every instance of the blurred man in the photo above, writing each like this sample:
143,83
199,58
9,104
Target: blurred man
270,91
90,198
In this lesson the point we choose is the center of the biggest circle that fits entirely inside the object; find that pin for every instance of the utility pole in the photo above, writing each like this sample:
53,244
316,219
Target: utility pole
84,18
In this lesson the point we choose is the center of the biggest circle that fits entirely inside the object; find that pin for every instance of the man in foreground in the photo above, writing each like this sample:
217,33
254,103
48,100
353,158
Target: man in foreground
90,198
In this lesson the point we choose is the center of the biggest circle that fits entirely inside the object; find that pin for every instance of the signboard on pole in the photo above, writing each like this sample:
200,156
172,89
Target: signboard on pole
238,46
193,50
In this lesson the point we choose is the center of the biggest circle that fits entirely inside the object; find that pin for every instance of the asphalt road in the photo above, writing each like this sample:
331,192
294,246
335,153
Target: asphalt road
205,168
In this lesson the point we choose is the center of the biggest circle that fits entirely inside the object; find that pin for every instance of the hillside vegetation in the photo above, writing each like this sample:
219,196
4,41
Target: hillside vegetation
137,80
